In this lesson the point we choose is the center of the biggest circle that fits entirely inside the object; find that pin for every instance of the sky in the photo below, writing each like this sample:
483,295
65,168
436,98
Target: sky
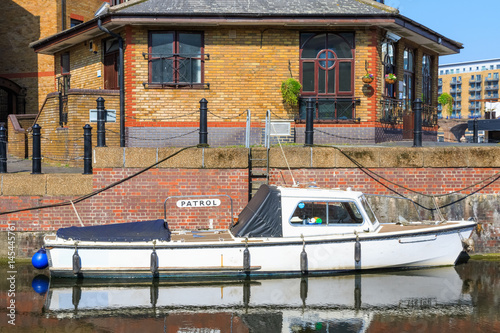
475,24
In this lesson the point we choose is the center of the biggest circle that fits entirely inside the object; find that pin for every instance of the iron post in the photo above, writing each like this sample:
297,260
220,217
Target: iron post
101,121
3,150
203,123
417,129
87,149
37,150
309,122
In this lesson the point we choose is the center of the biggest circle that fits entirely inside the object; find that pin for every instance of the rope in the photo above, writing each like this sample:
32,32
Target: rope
90,195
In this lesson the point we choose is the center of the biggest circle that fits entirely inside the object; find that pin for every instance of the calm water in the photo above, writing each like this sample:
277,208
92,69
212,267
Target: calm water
465,298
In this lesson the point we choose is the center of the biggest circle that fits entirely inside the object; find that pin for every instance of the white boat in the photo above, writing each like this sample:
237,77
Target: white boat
282,231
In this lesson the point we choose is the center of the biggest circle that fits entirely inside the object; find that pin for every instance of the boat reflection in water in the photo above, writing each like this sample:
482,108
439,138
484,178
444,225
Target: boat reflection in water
319,304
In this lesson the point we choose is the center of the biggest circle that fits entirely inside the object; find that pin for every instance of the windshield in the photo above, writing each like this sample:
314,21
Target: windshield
368,210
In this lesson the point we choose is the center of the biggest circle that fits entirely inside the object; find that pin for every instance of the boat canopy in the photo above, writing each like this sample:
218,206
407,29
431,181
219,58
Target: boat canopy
143,231
262,216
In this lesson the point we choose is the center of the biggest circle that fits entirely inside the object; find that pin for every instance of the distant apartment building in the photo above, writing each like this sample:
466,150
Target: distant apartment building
473,86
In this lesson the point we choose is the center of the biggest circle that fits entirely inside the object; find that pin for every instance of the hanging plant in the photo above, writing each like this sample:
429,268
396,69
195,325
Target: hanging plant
290,90
367,78
390,78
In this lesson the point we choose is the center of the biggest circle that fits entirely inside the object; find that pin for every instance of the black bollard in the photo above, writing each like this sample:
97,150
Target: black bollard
87,149
309,122
37,150
417,129
203,123
101,121
3,150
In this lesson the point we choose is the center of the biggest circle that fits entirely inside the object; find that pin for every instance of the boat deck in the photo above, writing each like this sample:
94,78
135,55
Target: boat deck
201,236
393,227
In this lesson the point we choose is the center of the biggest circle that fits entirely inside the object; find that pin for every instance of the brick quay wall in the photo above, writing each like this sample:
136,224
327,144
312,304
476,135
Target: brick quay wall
224,171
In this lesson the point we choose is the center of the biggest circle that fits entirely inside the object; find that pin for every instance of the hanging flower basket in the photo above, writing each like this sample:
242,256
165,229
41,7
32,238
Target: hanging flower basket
390,78
368,78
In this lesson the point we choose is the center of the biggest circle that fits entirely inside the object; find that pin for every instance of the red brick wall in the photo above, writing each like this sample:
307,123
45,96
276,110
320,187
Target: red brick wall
138,199
142,197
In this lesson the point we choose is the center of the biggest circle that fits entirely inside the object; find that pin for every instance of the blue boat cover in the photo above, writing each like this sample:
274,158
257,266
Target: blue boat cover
143,231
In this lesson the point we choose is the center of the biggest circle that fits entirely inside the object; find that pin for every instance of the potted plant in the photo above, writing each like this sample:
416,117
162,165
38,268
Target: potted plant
290,90
367,78
390,78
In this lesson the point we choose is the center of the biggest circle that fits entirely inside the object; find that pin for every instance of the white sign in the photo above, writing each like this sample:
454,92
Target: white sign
198,203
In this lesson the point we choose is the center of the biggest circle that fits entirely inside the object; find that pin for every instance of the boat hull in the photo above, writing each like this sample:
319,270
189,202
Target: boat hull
431,246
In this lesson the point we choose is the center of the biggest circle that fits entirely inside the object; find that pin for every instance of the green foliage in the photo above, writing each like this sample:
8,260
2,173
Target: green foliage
445,99
290,90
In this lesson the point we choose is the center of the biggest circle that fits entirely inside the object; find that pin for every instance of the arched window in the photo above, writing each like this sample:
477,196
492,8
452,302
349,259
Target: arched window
388,60
426,80
409,78
327,64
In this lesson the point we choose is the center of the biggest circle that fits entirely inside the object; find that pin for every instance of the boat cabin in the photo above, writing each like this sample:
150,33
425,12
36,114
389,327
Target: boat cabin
294,212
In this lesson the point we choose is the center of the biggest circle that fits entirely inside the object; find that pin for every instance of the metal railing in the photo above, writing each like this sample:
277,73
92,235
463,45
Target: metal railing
337,109
393,111
175,69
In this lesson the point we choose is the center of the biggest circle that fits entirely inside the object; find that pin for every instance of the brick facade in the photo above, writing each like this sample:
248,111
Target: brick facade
63,145
26,22
142,197
244,70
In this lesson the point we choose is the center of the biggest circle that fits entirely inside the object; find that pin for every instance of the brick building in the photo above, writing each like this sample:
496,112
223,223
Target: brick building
26,78
236,55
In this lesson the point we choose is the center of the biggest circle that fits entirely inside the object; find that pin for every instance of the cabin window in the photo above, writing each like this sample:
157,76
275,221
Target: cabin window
326,213
175,58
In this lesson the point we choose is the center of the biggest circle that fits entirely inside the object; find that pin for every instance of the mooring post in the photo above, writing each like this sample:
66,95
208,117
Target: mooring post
101,121
3,150
203,123
309,122
417,129
37,150
87,149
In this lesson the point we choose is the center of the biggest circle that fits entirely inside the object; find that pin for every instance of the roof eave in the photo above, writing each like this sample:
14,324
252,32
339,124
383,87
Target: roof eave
397,24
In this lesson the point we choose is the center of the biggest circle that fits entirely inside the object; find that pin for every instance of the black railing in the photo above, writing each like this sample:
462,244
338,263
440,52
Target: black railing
393,111
330,109
429,115
63,86
175,69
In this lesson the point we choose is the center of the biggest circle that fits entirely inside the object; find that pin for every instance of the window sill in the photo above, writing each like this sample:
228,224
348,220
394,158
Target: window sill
150,85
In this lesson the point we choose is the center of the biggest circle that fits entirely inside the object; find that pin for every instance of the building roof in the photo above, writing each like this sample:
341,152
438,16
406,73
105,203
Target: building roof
351,14
254,7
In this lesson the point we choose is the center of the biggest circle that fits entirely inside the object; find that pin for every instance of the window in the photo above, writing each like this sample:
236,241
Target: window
427,80
327,74
388,56
75,22
65,64
409,78
176,58
327,63
326,213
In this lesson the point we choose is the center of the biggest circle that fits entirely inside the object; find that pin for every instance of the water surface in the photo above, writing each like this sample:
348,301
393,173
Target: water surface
465,298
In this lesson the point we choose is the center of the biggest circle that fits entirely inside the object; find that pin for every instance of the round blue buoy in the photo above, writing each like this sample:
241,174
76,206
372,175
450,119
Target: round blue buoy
39,259
40,284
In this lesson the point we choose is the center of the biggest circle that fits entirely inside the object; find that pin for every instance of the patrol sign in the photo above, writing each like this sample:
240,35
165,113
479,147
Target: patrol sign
198,203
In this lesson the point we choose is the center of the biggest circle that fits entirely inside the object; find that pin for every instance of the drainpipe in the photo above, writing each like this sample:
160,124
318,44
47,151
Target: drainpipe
63,15
121,79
